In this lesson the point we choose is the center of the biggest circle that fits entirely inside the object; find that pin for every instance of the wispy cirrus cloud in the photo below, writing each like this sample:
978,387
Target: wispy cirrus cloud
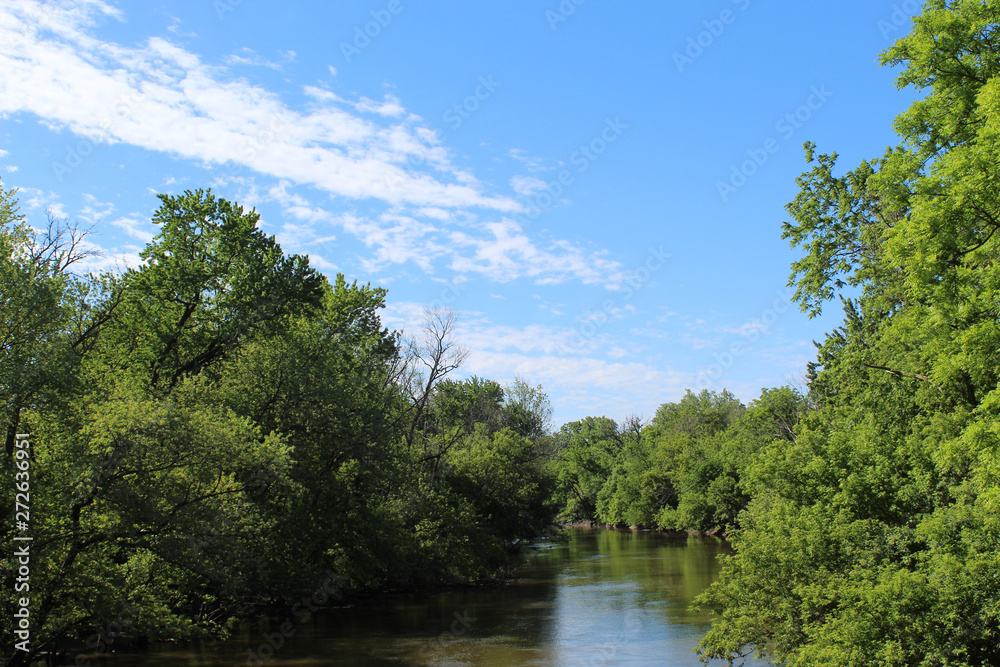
164,98
587,385
594,378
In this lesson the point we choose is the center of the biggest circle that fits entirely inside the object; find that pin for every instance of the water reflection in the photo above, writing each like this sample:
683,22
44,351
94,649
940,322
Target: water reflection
601,598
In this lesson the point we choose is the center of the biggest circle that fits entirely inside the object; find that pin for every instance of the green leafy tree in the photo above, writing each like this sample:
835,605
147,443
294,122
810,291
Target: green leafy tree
640,485
872,535
37,292
462,404
134,456
210,281
216,430
586,453
526,409
499,473
328,385
674,473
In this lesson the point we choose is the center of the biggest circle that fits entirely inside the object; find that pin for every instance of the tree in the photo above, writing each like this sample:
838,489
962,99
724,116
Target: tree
669,473
498,472
36,290
433,354
328,385
220,428
210,281
463,404
586,452
527,410
134,455
872,533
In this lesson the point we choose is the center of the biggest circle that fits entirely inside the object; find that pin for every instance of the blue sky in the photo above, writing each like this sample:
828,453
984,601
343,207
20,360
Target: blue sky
596,187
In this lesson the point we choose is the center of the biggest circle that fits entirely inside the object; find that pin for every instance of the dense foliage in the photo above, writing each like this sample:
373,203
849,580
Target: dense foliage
221,429
873,535
866,514
686,470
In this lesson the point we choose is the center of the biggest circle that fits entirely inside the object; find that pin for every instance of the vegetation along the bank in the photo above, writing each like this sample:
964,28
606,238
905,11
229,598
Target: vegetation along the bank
221,430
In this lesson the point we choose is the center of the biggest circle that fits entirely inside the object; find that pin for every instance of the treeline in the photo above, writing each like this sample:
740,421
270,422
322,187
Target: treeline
866,514
222,430
690,469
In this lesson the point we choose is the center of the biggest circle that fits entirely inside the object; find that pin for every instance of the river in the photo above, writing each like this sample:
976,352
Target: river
602,597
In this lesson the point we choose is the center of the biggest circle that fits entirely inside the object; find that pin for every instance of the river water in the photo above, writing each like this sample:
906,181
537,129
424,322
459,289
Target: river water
603,597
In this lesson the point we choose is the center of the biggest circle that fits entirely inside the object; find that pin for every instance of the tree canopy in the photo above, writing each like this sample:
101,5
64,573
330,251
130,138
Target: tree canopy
220,428
872,536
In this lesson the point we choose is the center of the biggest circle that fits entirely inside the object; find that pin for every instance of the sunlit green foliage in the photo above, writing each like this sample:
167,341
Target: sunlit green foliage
220,428
585,456
872,537
686,470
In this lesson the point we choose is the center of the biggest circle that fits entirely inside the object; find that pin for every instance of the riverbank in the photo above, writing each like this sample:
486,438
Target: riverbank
717,532
328,597
597,595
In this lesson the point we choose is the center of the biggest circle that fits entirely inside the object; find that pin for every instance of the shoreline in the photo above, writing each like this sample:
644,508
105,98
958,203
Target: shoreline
720,533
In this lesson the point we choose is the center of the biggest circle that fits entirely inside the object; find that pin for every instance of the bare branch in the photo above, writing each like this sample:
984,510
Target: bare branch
632,426
436,350
61,245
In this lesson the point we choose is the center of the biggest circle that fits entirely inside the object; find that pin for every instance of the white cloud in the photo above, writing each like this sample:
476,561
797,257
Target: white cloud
36,200
397,239
164,98
587,386
137,228
647,332
533,338
750,328
93,210
389,107
526,185
436,213
531,162
583,382
248,56
320,263
511,254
